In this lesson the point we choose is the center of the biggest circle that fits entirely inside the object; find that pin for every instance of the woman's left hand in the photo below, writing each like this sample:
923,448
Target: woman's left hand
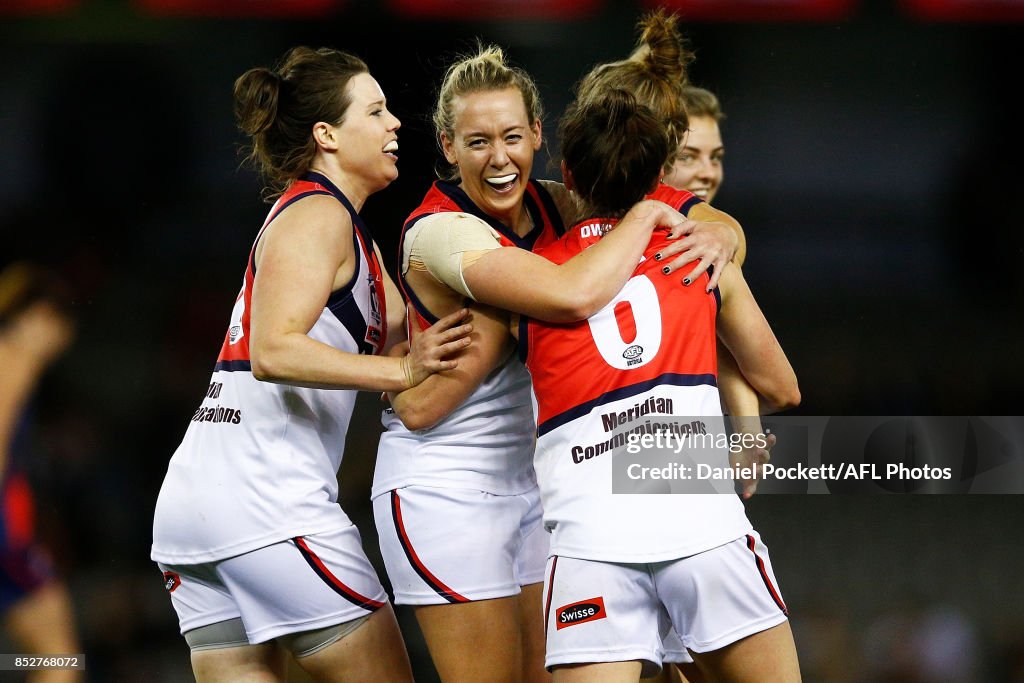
708,243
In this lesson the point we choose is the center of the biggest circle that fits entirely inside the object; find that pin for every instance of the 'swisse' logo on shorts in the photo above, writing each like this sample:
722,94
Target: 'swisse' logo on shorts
580,612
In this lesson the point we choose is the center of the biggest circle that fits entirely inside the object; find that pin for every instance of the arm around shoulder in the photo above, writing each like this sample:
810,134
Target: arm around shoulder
519,281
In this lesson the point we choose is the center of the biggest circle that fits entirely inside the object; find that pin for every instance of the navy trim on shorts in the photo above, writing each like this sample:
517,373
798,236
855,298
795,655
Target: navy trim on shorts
417,565
670,378
333,581
551,590
763,571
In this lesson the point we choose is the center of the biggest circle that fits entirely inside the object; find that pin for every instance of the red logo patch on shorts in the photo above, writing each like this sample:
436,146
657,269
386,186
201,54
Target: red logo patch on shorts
580,612
171,581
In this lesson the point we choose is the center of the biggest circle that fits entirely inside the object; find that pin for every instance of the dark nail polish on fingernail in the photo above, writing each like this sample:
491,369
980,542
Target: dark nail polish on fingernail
686,280
657,257
665,270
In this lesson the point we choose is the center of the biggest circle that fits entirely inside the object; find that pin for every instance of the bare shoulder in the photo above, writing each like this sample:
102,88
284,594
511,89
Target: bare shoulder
319,211
314,220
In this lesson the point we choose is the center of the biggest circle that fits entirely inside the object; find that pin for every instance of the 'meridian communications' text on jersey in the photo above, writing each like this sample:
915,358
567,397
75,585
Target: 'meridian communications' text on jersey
648,354
259,461
486,443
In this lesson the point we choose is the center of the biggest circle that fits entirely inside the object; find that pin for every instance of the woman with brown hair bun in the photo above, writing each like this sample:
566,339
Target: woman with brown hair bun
259,559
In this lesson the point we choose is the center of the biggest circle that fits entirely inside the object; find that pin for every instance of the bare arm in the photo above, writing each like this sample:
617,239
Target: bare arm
716,239
743,405
748,336
738,396
527,280
429,402
303,256
517,280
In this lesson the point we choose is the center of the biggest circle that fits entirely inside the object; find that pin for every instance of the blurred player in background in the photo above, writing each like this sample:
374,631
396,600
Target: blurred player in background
35,329
258,557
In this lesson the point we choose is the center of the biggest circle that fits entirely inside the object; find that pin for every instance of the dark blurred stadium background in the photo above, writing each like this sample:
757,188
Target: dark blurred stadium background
874,159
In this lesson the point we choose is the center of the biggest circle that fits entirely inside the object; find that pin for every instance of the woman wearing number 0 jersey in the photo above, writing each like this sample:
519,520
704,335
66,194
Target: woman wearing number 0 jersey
624,568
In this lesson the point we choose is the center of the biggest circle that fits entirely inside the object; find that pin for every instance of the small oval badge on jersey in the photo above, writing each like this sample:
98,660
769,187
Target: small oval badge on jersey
580,612
634,351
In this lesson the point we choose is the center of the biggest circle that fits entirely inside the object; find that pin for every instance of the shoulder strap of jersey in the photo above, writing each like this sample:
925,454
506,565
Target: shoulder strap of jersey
680,200
546,209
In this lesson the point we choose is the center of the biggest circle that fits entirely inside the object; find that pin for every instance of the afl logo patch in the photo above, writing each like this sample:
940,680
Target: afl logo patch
171,581
634,351
580,612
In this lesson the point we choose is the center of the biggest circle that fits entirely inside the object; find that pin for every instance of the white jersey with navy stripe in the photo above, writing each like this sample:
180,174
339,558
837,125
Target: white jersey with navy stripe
259,461
589,520
486,443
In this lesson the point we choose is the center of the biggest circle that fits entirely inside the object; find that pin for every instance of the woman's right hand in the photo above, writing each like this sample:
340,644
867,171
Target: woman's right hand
430,350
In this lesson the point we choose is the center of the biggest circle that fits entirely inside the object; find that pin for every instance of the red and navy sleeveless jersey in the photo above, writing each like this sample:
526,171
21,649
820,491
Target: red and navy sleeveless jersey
650,352
448,197
369,330
655,331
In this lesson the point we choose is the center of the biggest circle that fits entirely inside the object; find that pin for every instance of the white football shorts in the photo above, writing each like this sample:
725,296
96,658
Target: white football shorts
612,612
300,584
449,545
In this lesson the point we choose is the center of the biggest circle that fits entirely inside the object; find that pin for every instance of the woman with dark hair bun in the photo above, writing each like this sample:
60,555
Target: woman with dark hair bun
623,567
257,556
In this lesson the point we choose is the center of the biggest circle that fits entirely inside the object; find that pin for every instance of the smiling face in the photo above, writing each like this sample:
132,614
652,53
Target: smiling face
492,145
367,139
698,164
